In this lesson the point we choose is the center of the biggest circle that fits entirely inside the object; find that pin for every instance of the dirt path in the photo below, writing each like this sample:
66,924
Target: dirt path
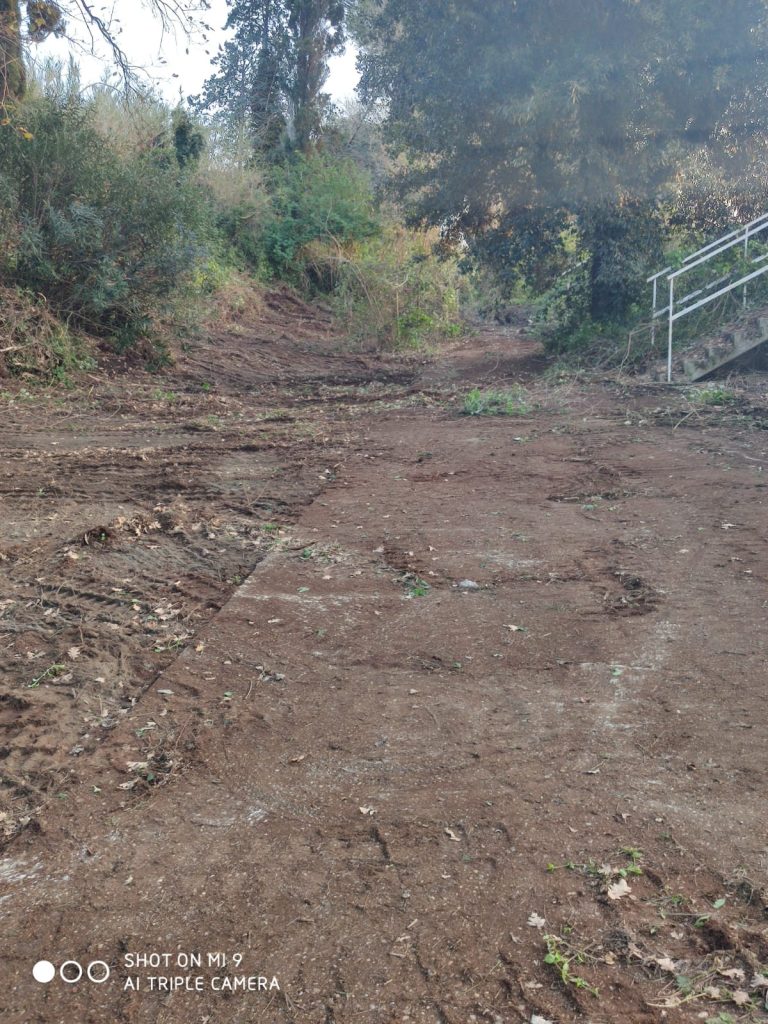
485,691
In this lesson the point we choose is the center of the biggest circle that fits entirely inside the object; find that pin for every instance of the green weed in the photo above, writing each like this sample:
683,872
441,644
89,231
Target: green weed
713,394
164,396
561,955
414,585
511,402
50,673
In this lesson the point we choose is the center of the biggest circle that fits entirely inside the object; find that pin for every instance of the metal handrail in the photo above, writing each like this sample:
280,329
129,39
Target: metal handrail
731,234
675,309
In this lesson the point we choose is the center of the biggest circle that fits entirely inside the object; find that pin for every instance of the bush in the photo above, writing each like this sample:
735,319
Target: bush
315,199
241,204
713,394
393,289
35,343
114,220
511,402
102,233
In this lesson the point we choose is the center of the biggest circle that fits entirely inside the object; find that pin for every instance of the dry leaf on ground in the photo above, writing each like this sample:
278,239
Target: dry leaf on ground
619,889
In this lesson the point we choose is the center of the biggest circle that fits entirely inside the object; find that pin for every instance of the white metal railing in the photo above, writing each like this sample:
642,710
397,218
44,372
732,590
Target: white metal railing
676,308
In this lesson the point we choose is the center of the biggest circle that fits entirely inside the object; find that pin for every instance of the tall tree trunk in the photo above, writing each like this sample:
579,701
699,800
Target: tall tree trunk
317,28
306,26
13,77
267,120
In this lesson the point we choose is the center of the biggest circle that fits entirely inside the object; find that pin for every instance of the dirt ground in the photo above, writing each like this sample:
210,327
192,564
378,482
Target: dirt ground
416,716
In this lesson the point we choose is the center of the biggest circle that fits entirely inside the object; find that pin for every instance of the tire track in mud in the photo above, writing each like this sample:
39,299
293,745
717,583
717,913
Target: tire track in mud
121,542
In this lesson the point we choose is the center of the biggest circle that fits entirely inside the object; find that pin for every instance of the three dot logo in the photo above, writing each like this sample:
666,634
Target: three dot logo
71,972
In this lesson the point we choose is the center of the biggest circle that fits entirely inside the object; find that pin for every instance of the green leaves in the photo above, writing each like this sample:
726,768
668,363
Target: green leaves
315,198
541,134
511,402
272,71
101,228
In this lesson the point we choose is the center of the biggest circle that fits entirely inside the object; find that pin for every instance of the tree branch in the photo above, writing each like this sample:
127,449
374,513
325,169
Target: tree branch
173,15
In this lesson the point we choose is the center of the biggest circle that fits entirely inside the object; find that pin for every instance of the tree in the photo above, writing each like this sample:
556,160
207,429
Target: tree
529,122
271,74
249,86
317,32
12,75
35,20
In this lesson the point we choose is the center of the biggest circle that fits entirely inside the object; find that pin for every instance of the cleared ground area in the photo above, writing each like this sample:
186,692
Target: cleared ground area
430,717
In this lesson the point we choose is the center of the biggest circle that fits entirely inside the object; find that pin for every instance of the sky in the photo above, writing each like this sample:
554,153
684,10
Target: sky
141,38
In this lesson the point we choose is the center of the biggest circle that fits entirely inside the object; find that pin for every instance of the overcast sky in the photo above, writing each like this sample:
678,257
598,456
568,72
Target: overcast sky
140,36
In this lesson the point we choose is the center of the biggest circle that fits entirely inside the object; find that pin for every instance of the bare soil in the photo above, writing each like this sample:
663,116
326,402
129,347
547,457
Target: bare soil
434,718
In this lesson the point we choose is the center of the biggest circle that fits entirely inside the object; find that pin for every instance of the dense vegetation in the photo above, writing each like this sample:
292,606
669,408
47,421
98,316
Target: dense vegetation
554,150
568,142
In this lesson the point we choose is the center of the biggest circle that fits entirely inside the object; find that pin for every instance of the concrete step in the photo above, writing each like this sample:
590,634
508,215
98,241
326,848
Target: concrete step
690,368
716,353
712,354
697,369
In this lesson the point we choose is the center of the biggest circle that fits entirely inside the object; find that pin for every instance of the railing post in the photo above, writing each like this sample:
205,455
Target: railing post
746,257
653,313
671,328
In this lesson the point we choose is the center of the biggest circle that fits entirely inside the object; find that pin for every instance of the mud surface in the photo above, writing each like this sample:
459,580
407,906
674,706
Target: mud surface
434,718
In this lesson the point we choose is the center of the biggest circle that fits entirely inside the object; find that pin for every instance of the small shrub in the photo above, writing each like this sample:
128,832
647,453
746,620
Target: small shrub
511,402
209,276
104,233
315,198
35,343
393,290
713,394
241,204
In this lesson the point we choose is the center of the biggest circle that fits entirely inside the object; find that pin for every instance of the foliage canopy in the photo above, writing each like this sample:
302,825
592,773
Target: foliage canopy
532,125
271,74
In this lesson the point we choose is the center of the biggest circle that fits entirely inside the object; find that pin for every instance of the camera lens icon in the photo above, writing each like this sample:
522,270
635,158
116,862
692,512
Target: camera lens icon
44,972
95,968
71,972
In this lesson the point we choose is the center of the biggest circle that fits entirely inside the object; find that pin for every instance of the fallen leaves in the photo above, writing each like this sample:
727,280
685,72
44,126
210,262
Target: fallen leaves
618,890
691,981
666,963
734,973
537,921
